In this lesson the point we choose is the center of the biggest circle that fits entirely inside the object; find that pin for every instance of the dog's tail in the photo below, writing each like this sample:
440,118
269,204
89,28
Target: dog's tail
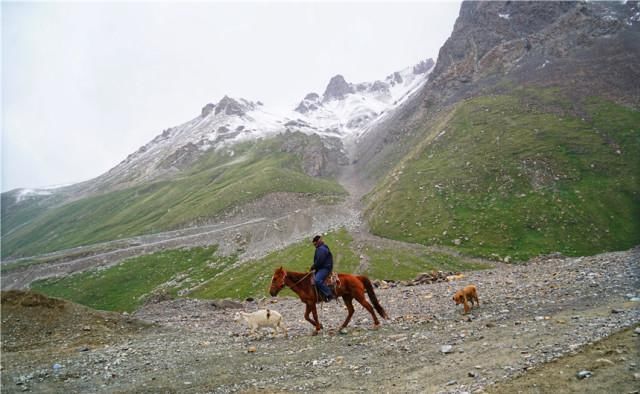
372,296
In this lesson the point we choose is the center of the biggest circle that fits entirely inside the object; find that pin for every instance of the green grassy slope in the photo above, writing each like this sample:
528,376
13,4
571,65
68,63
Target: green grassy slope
255,276
16,214
126,286
519,175
213,185
202,273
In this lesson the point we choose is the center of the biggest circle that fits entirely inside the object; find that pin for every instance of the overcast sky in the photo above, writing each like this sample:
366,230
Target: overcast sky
85,84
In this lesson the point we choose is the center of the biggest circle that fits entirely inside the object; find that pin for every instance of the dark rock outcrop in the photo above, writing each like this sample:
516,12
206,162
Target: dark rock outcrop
318,156
337,89
230,107
207,109
181,158
312,97
592,46
423,66
311,102
379,86
394,78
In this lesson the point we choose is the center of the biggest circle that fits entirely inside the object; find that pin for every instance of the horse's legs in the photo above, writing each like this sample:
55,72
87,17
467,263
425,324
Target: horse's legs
314,311
307,311
311,308
363,301
348,301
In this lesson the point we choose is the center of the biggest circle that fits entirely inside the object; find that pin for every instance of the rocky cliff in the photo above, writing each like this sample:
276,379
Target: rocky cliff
592,47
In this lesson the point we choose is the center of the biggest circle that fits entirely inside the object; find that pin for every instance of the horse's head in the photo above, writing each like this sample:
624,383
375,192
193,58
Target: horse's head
277,281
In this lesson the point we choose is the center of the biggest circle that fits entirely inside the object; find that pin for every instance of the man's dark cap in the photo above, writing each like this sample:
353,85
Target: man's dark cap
316,238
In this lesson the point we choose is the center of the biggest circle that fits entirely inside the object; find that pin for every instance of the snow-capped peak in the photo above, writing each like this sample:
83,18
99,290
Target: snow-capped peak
344,110
348,109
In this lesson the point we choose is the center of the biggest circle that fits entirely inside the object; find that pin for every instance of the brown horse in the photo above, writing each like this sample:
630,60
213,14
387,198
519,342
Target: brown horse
350,287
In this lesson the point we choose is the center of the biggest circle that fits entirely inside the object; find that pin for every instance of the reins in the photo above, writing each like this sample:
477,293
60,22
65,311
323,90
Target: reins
295,284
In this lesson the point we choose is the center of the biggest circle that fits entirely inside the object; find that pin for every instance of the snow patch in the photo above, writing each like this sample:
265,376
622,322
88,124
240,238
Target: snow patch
23,194
238,120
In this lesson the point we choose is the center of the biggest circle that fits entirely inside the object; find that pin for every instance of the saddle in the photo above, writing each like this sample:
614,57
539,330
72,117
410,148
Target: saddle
333,282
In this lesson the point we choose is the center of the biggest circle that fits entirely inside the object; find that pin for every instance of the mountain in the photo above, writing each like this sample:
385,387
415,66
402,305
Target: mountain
524,141
234,152
521,139
340,114
348,110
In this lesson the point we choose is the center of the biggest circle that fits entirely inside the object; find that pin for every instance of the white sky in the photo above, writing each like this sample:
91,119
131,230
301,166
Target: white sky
85,84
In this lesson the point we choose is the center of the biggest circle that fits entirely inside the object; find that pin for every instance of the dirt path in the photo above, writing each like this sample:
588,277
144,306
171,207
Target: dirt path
292,215
529,315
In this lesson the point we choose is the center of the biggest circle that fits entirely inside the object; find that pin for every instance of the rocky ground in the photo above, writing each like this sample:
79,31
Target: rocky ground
551,309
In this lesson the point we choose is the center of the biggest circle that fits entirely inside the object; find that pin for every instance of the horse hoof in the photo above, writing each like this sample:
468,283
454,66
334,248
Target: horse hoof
314,333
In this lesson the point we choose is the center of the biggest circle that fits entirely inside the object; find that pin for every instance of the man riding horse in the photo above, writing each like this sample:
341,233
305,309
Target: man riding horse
323,266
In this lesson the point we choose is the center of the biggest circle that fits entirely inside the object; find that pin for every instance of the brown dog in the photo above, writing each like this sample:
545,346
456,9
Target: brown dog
469,293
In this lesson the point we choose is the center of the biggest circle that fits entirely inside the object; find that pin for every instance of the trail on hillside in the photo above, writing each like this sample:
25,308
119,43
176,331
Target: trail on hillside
249,228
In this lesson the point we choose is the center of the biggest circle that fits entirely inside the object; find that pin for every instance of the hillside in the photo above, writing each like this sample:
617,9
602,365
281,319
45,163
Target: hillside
205,273
32,321
525,135
519,175
208,169
203,194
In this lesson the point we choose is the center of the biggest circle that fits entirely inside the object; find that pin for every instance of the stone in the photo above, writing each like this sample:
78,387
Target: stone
583,374
446,349
337,88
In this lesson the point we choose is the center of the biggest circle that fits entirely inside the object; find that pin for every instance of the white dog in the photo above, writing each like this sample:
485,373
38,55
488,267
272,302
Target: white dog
263,318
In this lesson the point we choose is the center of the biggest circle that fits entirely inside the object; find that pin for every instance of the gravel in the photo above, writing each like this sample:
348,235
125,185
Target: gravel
530,314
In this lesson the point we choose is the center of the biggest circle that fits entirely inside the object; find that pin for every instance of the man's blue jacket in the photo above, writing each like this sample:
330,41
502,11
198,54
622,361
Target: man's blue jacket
322,258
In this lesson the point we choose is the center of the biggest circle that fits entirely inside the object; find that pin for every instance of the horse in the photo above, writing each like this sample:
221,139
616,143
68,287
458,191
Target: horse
350,287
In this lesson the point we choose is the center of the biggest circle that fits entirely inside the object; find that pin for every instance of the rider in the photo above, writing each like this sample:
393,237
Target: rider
322,265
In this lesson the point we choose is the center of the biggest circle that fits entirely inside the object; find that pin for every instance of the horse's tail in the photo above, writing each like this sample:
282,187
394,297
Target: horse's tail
372,296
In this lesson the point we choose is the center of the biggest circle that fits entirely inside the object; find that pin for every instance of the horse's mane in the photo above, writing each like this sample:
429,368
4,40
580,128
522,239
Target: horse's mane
295,274
297,277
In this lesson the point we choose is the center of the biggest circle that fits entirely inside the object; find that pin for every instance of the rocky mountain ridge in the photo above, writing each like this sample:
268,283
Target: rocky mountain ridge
586,48
589,46
345,109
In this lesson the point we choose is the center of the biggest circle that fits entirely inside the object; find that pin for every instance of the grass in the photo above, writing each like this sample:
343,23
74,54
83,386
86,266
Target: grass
215,184
399,264
202,273
252,278
124,287
16,214
518,176
8,268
